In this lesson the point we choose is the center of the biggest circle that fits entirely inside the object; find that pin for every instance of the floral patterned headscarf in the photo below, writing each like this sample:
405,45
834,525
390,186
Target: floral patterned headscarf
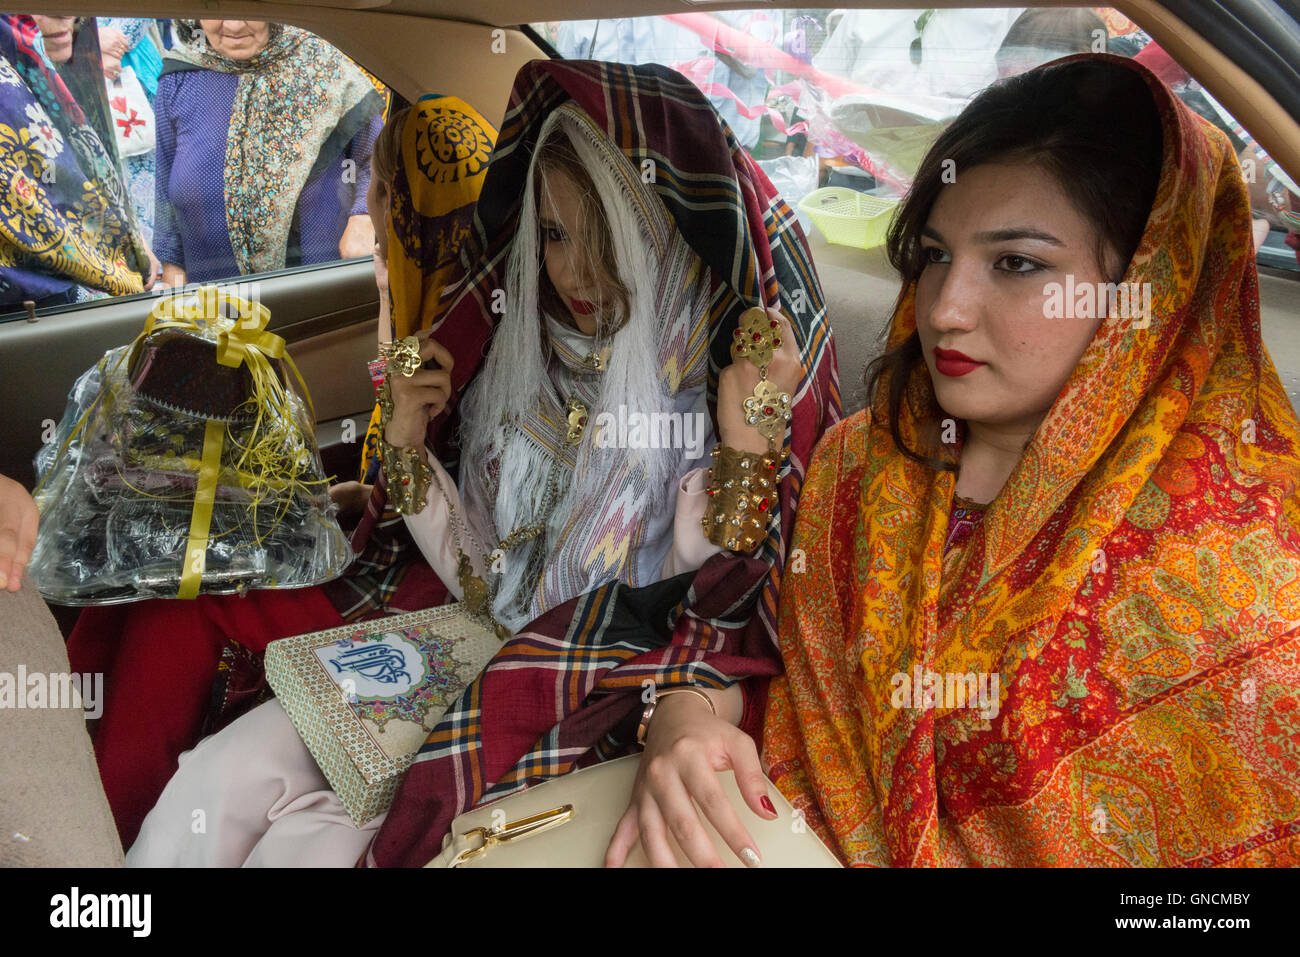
64,215
1134,587
297,90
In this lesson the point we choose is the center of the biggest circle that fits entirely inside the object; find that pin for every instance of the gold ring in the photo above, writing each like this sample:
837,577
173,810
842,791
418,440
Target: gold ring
403,355
757,337
768,410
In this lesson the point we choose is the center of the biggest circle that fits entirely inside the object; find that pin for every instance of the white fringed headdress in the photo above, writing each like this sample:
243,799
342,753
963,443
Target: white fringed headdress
514,420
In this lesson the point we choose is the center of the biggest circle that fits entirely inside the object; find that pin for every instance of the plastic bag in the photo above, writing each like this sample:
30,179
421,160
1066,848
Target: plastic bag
133,119
794,178
173,473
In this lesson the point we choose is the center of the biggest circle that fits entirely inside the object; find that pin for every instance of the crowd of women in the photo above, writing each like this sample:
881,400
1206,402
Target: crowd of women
172,122
1070,507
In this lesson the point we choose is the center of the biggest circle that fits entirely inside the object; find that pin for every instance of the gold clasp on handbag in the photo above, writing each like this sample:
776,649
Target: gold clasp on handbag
514,831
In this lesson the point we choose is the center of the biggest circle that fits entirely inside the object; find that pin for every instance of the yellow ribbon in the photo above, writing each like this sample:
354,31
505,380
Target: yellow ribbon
240,341
205,493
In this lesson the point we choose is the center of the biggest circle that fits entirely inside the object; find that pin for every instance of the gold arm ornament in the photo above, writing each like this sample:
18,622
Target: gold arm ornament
403,355
407,472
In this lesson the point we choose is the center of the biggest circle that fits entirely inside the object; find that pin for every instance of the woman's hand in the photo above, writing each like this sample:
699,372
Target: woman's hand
173,276
112,66
686,745
113,43
384,327
417,400
154,268
358,237
736,384
381,273
18,518
350,497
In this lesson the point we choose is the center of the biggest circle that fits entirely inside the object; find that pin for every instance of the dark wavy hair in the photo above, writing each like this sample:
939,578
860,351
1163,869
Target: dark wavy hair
1091,123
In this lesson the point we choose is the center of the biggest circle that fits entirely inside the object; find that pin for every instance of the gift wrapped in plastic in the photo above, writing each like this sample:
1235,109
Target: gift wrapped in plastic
186,464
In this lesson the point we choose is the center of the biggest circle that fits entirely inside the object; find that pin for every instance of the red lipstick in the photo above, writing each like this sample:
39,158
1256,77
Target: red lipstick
950,362
582,307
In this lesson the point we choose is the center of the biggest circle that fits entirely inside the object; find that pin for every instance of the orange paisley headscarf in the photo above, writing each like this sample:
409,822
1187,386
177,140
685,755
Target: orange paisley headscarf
1135,587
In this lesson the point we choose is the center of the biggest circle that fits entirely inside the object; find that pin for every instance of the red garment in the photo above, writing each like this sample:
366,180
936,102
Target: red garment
961,524
159,659
1159,62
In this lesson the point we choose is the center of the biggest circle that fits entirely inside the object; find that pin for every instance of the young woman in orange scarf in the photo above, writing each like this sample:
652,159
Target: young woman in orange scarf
1051,585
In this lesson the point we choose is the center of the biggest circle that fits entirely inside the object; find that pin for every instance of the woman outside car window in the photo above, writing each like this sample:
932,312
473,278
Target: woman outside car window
231,198
66,228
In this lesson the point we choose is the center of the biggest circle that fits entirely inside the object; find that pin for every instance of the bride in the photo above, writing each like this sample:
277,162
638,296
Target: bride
608,312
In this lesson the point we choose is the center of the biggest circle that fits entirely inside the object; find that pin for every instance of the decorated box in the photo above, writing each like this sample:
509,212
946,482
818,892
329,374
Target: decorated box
365,696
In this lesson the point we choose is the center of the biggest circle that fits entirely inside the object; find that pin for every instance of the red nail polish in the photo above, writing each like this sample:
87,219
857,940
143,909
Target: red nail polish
767,805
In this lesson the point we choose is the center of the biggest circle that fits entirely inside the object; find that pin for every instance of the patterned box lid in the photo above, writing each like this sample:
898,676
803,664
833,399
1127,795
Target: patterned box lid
378,687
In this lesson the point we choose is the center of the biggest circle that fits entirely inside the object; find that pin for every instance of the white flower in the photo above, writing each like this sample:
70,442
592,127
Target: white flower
8,74
45,137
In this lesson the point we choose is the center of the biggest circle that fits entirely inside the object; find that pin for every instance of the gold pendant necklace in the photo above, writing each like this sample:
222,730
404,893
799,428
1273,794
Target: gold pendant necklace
577,420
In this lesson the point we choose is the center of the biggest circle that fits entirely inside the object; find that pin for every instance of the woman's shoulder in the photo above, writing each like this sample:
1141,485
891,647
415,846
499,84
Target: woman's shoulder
842,440
183,76
834,471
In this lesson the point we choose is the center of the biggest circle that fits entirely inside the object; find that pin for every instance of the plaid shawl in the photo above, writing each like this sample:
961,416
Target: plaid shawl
566,691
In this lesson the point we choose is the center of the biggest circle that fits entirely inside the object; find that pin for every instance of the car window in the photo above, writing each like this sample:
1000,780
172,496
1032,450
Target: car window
853,98
140,153
839,106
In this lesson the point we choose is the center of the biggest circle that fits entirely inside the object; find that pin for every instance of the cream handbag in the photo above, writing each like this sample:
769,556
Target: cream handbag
568,821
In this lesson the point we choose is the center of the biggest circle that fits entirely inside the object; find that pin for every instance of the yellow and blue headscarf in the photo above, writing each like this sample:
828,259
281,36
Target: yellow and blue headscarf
445,148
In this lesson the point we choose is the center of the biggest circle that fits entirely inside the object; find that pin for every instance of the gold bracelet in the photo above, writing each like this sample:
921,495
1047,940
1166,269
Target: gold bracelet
408,473
409,477
742,490
644,727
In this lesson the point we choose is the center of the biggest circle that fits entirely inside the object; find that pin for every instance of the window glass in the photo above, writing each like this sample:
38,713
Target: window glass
136,153
853,98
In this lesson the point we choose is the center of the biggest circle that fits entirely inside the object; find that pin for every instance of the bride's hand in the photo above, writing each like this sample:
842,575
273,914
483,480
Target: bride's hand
686,745
418,399
737,381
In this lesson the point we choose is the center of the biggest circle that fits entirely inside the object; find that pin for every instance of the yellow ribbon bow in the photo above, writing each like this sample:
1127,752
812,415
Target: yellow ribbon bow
243,340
